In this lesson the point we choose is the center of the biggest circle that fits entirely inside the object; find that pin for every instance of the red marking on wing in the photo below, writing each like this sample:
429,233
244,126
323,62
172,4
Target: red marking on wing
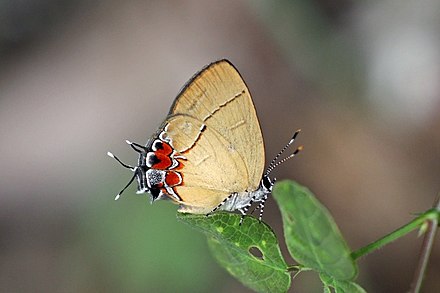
164,161
172,178
180,166
166,149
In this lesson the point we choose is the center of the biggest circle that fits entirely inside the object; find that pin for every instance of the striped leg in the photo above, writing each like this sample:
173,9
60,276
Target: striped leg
243,213
245,209
261,207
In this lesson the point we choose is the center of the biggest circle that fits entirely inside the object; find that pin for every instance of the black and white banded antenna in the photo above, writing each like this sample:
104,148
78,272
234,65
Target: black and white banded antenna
273,164
134,169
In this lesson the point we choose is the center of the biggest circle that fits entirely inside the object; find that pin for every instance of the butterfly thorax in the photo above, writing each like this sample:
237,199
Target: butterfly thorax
244,199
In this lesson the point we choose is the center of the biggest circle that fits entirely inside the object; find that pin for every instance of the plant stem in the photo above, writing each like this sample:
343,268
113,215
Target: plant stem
430,215
297,268
425,252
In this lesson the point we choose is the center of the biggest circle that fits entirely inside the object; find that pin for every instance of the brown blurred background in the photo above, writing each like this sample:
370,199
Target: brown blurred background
77,78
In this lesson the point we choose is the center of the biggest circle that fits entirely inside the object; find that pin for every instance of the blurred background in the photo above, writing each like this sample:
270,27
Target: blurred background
77,78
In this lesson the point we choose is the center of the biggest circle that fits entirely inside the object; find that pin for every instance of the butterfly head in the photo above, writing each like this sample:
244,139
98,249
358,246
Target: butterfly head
267,184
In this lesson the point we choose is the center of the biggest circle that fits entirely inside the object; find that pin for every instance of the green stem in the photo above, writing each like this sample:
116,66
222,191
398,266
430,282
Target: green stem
297,268
425,253
431,214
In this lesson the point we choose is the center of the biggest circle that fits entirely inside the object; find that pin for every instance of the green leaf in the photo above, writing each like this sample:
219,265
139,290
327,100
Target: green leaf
312,237
340,286
249,252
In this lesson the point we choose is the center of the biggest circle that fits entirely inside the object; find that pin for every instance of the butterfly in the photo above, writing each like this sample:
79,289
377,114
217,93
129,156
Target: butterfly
208,154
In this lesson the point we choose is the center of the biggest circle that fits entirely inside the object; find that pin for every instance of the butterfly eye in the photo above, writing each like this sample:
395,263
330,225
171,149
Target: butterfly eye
267,183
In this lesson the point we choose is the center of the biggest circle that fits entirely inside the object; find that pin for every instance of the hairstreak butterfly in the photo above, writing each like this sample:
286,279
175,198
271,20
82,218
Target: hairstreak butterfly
208,154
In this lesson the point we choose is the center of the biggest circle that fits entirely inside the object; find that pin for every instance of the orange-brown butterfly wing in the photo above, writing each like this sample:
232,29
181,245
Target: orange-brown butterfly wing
214,125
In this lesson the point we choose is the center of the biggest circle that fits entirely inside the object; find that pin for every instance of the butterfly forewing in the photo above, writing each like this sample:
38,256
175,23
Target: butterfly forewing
214,130
218,97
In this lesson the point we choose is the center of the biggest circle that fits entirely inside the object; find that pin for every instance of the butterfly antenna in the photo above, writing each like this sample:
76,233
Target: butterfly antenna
273,164
300,148
137,147
120,162
126,186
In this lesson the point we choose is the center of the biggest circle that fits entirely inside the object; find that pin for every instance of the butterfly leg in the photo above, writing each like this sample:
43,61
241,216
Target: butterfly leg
245,209
261,207
243,213
221,204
